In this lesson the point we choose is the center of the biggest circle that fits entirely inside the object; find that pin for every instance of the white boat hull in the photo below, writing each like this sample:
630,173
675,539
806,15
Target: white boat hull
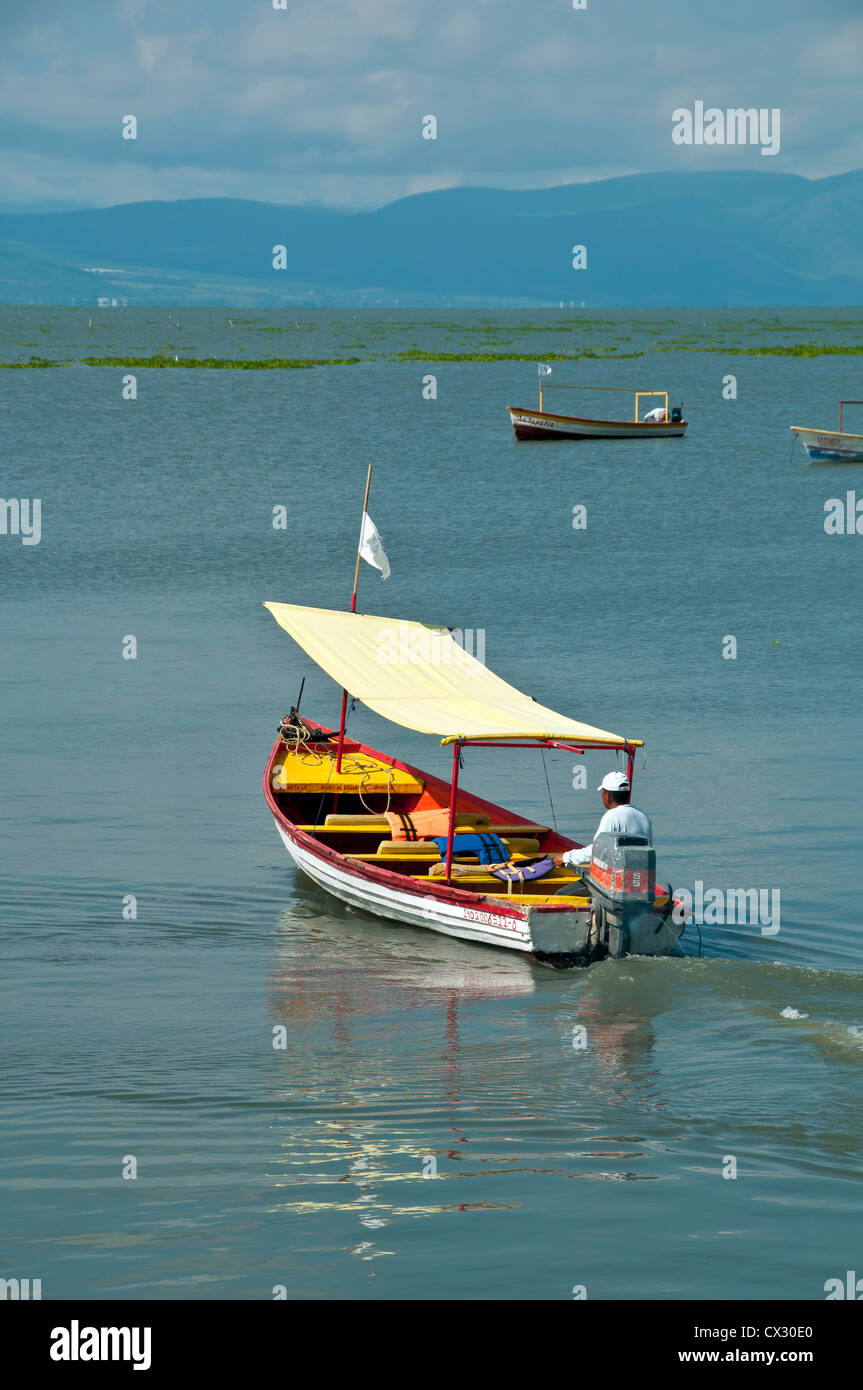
536,424
517,928
823,447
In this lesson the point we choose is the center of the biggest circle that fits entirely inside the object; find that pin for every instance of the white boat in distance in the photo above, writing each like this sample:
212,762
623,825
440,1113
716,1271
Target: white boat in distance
542,424
838,447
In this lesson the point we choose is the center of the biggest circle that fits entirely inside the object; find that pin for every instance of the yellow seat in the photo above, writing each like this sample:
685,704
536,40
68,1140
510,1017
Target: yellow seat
360,822
315,771
375,823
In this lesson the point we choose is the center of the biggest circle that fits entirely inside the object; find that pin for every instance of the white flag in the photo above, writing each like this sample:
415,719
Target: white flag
371,548
544,369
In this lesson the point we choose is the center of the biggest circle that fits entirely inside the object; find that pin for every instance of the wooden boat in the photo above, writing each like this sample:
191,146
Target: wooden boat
824,447
542,424
329,796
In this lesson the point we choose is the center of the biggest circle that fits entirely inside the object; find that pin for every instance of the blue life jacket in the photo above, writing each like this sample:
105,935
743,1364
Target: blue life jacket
488,848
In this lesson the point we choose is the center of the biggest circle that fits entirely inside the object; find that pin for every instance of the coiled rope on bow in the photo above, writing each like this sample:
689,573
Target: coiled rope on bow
296,740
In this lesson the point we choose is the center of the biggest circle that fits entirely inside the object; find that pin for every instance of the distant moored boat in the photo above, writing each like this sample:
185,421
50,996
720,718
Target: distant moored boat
542,424
838,447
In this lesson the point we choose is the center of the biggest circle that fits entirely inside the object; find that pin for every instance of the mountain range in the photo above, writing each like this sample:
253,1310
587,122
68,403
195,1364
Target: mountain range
670,239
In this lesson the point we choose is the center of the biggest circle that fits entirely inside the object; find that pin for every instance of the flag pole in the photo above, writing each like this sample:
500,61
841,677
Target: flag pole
359,542
353,610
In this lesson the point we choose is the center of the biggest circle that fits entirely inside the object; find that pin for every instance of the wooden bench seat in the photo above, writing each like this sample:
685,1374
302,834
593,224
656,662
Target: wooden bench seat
538,900
420,854
562,900
405,861
533,831
486,882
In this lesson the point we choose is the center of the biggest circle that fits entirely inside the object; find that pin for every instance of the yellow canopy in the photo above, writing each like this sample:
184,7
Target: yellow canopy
420,677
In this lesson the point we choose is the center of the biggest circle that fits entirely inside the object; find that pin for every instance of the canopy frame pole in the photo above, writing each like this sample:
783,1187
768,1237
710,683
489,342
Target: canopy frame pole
342,730
453,793
353,610
630,765
844,403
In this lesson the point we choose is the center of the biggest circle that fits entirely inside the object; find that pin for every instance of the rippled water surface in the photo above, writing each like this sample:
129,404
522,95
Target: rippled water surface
429,1130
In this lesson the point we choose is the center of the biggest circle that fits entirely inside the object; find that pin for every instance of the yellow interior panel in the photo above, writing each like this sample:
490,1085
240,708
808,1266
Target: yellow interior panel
313,771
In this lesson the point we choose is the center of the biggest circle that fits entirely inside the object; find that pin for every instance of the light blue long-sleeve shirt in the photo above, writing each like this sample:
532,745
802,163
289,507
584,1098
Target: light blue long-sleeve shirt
618,820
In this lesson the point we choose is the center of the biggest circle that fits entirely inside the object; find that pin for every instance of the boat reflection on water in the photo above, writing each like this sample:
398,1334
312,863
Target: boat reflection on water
620,1035
411,1056
400,965
374,1059
367,966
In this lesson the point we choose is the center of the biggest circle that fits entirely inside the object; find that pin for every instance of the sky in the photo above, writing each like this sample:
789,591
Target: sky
322,103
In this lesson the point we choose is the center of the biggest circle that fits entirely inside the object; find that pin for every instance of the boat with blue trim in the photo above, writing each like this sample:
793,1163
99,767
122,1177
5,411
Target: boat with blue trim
822,446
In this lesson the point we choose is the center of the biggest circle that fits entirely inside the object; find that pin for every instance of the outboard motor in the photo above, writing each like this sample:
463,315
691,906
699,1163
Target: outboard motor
621,881
677,413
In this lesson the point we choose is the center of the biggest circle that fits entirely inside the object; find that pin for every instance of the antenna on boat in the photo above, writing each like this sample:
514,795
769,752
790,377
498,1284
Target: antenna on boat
353,610
550,797
296,707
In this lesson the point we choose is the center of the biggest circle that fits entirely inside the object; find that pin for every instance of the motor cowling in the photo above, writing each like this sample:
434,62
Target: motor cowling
623,868
621,881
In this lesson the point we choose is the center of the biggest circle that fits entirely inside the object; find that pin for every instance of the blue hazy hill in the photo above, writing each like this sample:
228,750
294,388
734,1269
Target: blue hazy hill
652,239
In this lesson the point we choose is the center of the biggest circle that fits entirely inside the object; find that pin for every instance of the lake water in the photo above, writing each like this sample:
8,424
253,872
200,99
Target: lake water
407,1054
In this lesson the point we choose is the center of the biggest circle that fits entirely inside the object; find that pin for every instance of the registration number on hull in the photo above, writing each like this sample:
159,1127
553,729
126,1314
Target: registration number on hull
488,919
540,424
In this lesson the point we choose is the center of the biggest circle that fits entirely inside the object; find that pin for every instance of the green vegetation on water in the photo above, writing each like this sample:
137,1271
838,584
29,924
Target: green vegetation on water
238,364
418,355
802,350
414,354
34,362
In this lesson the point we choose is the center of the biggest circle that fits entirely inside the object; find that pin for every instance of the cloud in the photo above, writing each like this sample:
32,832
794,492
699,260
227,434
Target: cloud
325,102
836,57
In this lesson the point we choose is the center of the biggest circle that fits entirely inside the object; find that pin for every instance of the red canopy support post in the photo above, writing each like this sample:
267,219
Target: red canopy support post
342,730
453,793
630,765
353,610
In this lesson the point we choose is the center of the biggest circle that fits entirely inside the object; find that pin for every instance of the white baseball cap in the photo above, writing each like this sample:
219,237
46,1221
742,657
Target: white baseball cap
614,782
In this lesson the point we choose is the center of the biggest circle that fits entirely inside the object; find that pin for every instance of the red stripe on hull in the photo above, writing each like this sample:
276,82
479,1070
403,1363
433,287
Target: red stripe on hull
529,432
555,843
529,424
